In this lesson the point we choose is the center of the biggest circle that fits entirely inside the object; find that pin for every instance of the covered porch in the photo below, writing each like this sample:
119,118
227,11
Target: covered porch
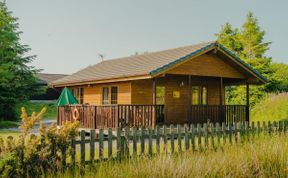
169,99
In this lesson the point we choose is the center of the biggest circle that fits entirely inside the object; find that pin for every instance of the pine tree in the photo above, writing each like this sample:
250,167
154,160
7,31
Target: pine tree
17,78
249,44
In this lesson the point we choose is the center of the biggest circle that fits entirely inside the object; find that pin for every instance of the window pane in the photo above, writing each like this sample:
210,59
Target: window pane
160,95
81,95
204,95
114,93
105,95
195,95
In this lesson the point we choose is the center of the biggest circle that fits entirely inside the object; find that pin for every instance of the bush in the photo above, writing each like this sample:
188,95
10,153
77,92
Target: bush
36,155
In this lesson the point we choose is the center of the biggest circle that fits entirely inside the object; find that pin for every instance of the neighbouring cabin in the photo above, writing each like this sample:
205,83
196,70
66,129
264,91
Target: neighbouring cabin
176,86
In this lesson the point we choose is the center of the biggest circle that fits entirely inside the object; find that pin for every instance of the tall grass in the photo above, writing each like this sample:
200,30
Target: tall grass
273,107
265,157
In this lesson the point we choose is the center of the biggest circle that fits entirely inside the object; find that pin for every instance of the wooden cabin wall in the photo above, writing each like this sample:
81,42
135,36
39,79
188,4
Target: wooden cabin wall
142,92
176,109
207,65
93,93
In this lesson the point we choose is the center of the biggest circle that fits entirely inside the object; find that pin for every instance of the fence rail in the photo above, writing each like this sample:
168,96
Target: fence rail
110,144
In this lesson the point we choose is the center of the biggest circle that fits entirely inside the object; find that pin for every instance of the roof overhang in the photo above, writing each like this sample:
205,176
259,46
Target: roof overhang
111,80
259,79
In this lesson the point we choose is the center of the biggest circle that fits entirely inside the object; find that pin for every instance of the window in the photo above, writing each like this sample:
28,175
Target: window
114,93
195,95
199,95
160,95
81,95
105,95
78,93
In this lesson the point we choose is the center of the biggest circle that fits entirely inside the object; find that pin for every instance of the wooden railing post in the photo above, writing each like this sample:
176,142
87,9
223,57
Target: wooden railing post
247,102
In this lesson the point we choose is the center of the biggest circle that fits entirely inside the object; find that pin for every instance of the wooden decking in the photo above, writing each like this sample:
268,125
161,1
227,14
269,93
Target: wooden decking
120,116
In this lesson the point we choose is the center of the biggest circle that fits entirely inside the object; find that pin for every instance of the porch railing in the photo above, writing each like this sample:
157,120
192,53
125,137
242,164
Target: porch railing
113,116
218,113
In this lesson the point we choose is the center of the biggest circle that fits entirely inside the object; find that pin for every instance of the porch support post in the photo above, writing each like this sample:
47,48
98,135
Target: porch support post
189,99
154,110
222,110
247,102
154,91
221,91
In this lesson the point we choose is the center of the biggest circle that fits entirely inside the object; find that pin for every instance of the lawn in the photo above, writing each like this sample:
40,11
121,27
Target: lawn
5,133
273,107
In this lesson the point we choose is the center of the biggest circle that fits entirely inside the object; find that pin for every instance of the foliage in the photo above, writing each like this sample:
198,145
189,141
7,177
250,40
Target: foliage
279,78
245,160
36,155
51,112
248,42
17,78
274,107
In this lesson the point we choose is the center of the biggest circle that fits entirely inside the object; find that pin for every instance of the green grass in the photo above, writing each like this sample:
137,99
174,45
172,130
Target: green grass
5,133
273,107
51,112
8,124
265,157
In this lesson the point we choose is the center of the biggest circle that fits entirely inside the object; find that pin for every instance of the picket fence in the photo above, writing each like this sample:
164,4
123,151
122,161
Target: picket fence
115,144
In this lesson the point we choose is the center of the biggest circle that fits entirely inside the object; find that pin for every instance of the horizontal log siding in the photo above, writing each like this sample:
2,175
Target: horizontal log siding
93,93
207,65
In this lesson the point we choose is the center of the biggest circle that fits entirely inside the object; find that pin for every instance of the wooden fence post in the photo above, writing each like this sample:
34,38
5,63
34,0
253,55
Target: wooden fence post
110,142
118,133
193,136
179,136
218,134
172,137
165,138
101,143
92,145
186,138
199,136
82,147
126,142
205,135
142,137
134,141
158,139
212,135
150,141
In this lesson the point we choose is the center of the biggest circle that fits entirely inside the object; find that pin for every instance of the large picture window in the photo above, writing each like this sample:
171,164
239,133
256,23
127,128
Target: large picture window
199,95
105,95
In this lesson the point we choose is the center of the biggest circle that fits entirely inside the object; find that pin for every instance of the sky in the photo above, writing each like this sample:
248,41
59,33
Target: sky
68,35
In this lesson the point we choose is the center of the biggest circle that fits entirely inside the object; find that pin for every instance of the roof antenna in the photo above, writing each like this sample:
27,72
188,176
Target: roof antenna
101,56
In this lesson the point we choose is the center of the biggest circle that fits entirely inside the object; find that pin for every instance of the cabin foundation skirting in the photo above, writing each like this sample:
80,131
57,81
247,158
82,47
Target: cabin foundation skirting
120,116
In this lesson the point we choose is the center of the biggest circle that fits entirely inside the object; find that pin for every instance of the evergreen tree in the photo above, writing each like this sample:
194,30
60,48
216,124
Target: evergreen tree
249,44
17,78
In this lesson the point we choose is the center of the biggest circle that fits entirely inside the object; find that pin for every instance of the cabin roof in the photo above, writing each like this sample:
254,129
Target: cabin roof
45,79
144,66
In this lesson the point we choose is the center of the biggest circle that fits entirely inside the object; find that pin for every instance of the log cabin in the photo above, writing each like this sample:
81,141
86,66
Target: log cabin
174,86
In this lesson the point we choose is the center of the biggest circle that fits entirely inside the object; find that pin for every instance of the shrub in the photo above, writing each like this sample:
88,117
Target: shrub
36,155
